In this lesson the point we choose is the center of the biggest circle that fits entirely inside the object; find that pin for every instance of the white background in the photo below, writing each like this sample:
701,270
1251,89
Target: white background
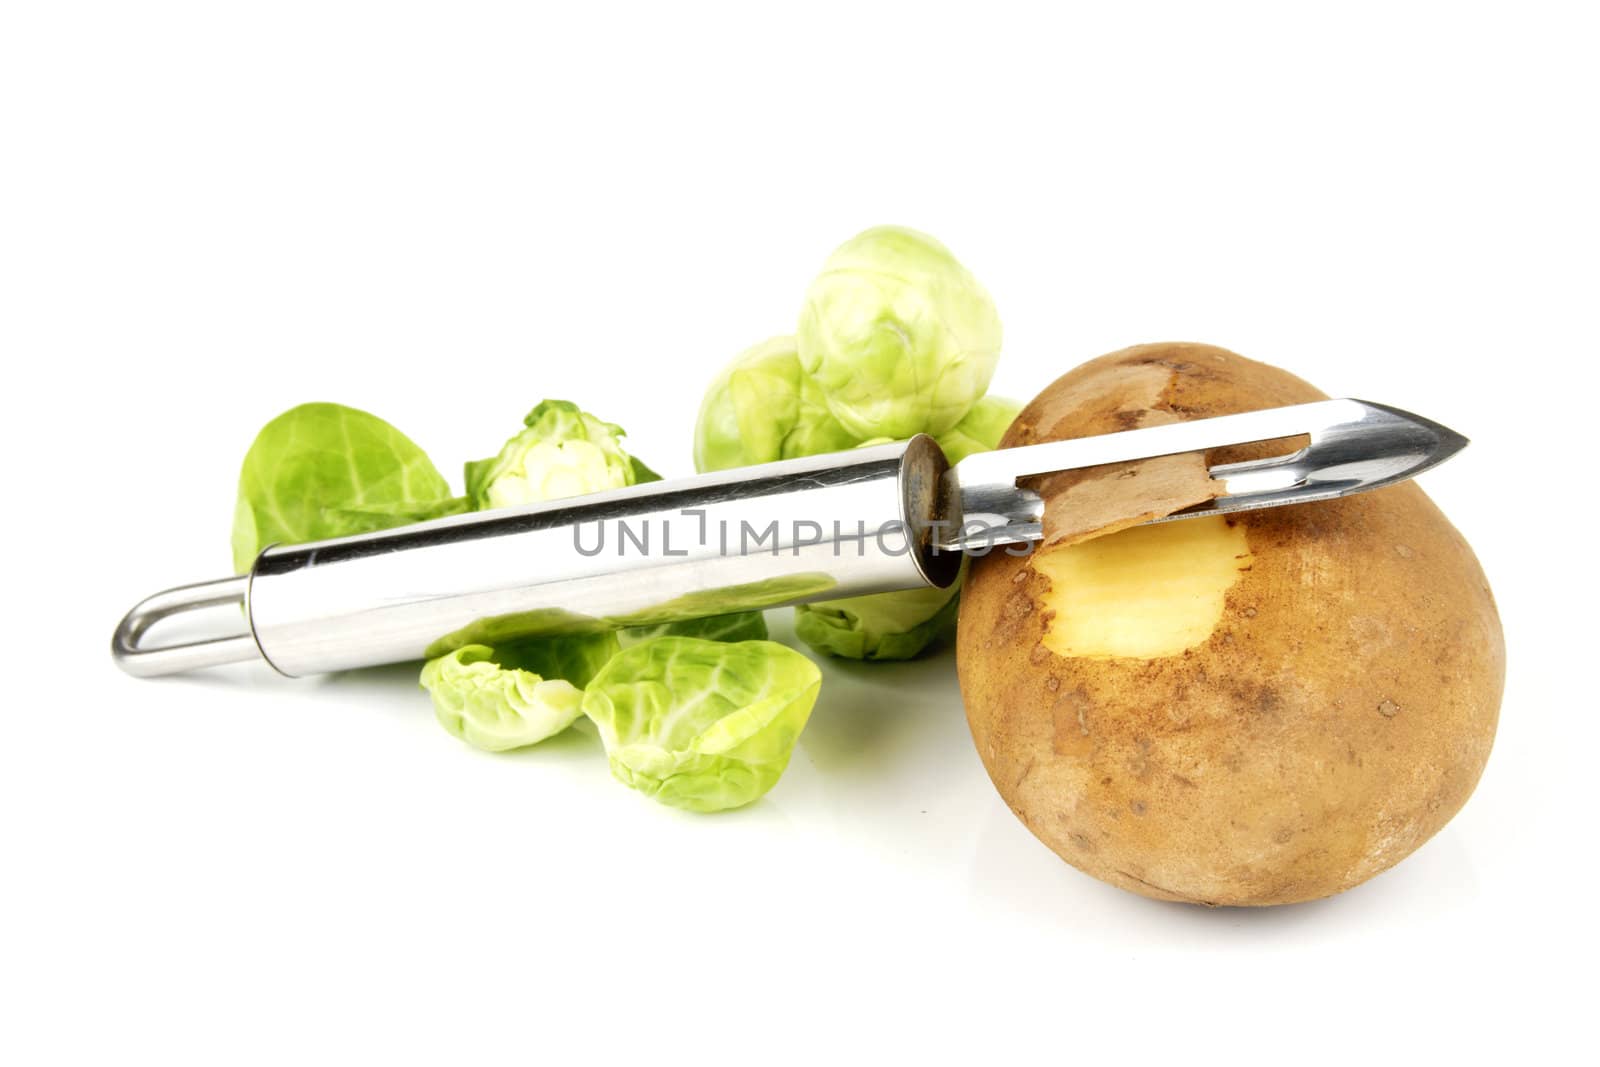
444,213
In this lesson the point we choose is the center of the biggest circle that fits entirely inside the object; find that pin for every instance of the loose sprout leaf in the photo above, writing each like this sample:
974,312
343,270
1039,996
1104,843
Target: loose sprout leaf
495,707
325,470
882,626
641,473
476,472
574,658
700,724
497,631
740,626
898,335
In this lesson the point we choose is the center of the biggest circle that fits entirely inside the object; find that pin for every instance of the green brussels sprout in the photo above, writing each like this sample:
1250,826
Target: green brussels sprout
325,470
762,408
980,429
702,725
563,452
499,700
900,337
882,626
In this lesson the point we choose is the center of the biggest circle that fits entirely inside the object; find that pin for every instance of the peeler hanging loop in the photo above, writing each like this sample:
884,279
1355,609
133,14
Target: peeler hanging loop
190,655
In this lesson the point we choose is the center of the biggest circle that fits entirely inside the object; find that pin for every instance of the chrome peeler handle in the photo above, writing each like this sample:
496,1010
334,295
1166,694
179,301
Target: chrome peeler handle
741,540
127,647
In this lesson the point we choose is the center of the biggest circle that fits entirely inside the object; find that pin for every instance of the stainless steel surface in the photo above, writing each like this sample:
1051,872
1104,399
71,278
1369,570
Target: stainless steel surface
780,534
893,516
1355,445
131,653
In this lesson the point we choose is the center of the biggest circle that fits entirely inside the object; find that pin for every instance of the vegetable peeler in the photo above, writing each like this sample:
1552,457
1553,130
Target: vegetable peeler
872,520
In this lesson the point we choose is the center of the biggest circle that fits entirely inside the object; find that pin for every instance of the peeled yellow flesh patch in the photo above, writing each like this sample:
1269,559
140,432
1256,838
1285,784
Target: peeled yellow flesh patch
1142,593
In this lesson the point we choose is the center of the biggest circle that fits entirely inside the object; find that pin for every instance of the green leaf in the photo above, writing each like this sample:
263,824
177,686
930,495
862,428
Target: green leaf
882,626
497,707
740,626
325,470
477,478
641,473
574,658
699,724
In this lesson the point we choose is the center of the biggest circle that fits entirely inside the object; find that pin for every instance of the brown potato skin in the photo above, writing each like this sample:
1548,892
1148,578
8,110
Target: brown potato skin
1338,716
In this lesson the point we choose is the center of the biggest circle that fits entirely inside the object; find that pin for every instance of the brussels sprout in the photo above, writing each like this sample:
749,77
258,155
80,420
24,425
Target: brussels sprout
563,452
741,626
325,470
980,429
762,408
495,707
881,626
899,336
700,724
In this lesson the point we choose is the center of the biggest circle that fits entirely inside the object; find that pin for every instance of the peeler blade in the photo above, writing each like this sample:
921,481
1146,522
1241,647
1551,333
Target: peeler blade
1355,446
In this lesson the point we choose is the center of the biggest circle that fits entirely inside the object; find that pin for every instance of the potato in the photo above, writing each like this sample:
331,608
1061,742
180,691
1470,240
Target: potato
1259,709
